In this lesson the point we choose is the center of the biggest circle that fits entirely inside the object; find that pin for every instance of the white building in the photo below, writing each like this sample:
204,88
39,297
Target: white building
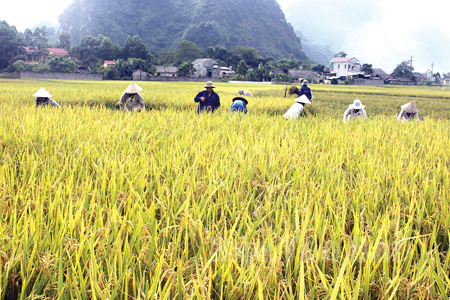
206,67
345,66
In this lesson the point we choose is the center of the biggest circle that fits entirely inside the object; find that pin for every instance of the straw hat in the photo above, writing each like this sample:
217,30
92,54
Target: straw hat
42,93
303,99
209,84
305,82
409,108
133,89
356,104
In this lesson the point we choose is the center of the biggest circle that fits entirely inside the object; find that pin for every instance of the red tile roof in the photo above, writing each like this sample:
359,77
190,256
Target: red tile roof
109,62
58,51
342,59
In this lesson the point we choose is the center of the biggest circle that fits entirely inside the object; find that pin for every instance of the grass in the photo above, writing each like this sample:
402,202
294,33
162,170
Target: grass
99,204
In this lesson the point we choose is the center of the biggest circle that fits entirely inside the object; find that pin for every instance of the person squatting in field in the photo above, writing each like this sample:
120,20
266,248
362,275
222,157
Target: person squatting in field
296,109
245,93
239,104
408,112
131,100
44,99
355,111
208,99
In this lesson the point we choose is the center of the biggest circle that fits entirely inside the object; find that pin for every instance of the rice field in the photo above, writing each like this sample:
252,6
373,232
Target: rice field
167,204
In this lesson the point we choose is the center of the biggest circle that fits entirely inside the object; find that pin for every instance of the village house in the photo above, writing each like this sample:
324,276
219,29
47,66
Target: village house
109,64
36,55
345,67
300,75
166,71
206,67
226,72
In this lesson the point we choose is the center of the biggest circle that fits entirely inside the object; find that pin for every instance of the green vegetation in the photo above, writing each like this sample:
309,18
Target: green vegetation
164,24
100,204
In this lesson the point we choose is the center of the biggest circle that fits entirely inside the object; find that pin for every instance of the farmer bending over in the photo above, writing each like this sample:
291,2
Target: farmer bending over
131,100
44,99
355,111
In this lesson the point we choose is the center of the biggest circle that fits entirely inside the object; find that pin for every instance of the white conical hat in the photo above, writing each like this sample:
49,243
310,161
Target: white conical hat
410,108
133,89
303,99
42,93
356,104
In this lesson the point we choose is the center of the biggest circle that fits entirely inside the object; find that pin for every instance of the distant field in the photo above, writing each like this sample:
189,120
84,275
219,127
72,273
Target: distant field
100,204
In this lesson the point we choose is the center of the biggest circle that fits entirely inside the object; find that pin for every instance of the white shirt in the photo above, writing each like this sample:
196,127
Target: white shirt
351,114
403,116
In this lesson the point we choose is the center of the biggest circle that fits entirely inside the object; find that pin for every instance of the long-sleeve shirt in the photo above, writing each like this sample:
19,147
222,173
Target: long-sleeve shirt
305,90
136,103
351,114
213,100
46,102
404,116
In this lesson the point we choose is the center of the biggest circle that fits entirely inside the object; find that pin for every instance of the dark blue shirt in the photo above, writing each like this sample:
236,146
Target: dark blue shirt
213,100
305,90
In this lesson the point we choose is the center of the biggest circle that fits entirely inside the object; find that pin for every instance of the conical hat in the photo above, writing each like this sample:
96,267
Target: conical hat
42,93
303,99
356,104
133,89
410,108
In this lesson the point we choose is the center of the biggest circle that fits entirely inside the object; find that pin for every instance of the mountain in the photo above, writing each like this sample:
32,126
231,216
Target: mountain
382,33
160,24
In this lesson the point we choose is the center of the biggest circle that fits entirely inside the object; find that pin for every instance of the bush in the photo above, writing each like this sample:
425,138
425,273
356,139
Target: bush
334,81
21,65
41,67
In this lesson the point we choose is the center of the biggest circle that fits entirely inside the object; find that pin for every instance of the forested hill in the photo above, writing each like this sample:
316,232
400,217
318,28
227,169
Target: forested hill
160,24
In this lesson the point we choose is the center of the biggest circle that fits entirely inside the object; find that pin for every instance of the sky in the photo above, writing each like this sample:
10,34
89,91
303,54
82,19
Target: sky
376,43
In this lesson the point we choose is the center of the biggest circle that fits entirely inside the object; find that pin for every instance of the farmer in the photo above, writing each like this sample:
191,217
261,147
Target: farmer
295,110
131,100
354,111
408,112
239,105
208,99
245,93
44,99
304,90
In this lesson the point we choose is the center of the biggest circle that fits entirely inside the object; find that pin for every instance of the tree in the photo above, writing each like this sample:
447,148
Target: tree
64,40
10,40
341,54
367,69
186,68
107,50
21,65
403,69
318,68
134,48
61,64
188,51
167,57
242,68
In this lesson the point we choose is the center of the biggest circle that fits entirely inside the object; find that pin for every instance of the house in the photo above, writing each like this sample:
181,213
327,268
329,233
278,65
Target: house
140,75
37,55
226,72
206,67
377,72
300,75
420,78
109,64
445,80
399,81
166,71
344,67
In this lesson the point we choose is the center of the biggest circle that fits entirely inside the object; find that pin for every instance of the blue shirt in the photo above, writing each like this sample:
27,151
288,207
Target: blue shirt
305,90
213,100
